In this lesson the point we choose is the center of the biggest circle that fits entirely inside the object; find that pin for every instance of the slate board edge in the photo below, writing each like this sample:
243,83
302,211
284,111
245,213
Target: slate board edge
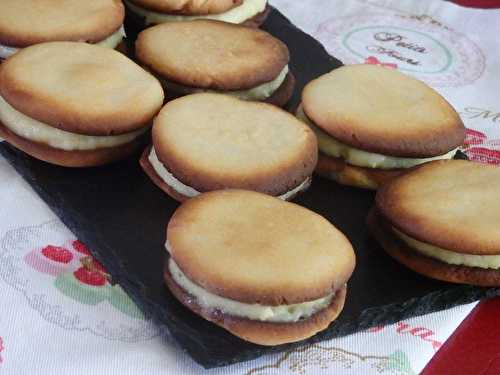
369,318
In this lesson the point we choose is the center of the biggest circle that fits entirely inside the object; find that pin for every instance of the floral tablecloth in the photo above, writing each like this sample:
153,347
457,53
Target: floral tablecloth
52,321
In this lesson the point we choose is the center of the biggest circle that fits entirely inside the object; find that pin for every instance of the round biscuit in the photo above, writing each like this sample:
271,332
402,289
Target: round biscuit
212,54
80,88
426,266
213,141
254,248
381,110
451,204
27,22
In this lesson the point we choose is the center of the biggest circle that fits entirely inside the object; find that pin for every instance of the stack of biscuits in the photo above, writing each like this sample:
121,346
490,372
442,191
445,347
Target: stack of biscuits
239,254
214,56
374,123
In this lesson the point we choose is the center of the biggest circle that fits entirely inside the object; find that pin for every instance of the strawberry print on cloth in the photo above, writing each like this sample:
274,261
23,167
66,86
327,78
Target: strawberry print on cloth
62,281
481,149
50,259
372,60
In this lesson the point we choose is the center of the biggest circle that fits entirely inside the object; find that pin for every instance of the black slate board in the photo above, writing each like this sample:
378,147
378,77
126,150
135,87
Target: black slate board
121,216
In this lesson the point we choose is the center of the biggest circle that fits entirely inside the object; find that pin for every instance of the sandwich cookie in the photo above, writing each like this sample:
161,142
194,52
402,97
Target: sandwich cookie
268,271
218,57
75,104
373,123
205,142
28,22
151,12
441,220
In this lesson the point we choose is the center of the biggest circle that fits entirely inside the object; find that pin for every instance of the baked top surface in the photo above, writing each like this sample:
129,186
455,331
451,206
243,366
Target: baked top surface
26,22
80,88
255,248
384,111
452,204
212,54
211,141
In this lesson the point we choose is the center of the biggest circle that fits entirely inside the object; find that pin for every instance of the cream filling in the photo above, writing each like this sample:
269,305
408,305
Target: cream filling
450,257
190,192
360,158
239,14
6,51
257,93
110,42
113,40
36,131
263,313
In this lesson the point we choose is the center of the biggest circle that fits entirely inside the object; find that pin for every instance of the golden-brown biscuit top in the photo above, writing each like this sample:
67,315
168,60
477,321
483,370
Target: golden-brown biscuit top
26,22
214,141
452,204
188,7
254,248
381,110
212,54
80,88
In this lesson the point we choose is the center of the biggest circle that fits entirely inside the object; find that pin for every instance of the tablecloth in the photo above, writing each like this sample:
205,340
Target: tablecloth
50,324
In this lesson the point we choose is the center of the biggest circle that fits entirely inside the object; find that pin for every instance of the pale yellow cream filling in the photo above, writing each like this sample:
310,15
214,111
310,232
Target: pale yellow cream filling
190,192
448,256
282,313
257,93
239,14
360,158
36,131
6,51
111,42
